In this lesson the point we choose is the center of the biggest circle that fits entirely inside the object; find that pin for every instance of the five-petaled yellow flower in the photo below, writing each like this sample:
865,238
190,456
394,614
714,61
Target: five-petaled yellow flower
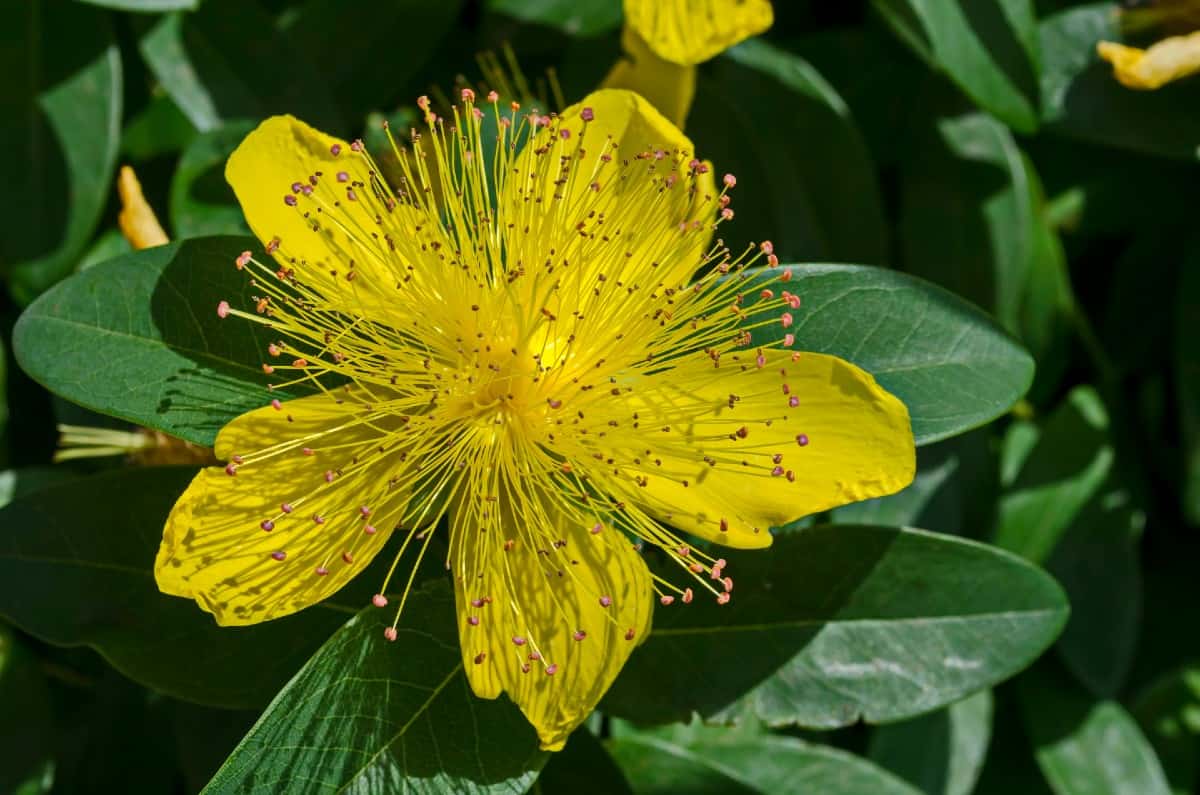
548,350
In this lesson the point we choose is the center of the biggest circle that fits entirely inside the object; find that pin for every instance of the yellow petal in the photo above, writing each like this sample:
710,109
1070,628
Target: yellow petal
137,220
692,31
668,86
1169,60
520,610
215,548
857,443
282,156
641,212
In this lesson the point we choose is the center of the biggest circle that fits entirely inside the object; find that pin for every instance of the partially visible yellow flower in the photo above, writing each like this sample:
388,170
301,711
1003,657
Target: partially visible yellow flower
136,219
1170,59
688,32
665,39
549,353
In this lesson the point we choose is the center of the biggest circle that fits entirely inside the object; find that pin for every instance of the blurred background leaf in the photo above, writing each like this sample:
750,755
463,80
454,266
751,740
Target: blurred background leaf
62,98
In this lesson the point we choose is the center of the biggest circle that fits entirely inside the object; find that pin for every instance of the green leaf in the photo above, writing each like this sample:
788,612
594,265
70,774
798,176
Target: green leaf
17,483
1082,99
1098,563
583,767
369,715
1065,507
838,623
76,568
573,17
768,765
949,363
160,128
973,221
108,245
1066,467
988,47
1085,747
940,753
202,203
1168,712
139,338
228,61
752,107
61,95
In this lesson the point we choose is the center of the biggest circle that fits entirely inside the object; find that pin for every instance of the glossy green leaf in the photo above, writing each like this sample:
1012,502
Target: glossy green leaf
767,765
1168,712
76,567
949,363
370,716
61,95
762,113
583,767
840,623
940,753
1083,746
1065,508
17,483
1098,563
573,17
139,338
202,203
227,61
1082,99
973,221
1065,467
108,245
988,47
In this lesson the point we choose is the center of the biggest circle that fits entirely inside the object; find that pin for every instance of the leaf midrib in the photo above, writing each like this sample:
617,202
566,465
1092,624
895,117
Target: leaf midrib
803,623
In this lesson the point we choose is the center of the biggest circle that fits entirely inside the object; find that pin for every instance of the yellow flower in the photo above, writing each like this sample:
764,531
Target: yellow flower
1171,59
688,32
665,39
137,220
530,357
